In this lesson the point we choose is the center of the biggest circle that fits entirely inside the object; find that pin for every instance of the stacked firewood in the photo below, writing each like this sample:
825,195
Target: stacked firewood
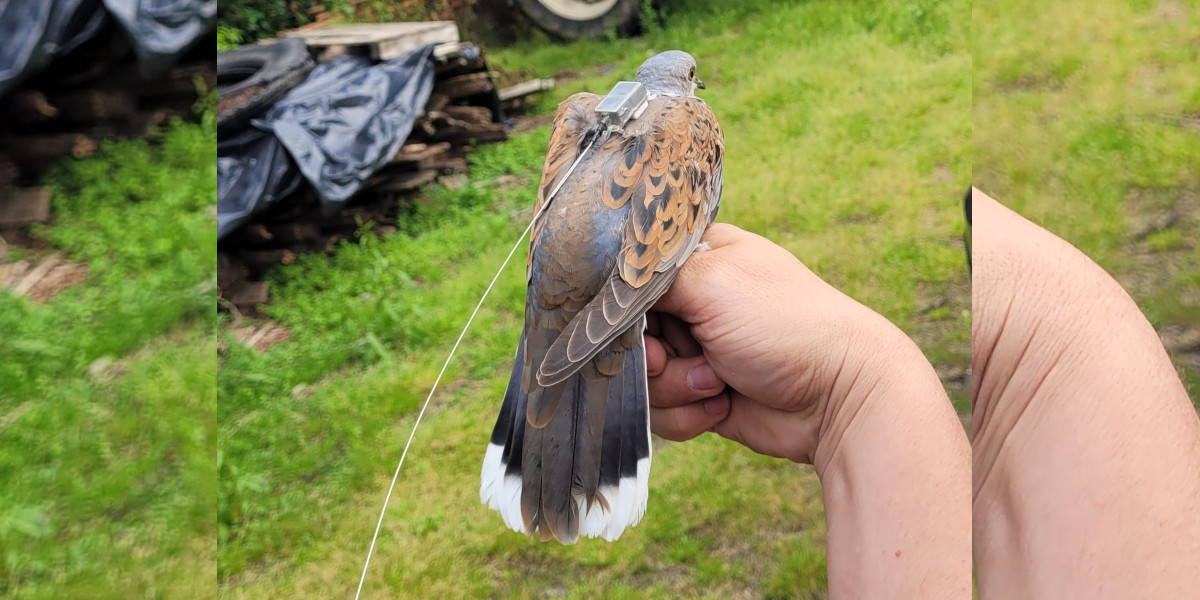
67,110
463,111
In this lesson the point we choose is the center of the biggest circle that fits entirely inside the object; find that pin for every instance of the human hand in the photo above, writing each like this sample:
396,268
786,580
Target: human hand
790,367
793,350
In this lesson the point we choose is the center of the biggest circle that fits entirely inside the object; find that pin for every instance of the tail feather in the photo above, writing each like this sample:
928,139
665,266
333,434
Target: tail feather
586,472
500,488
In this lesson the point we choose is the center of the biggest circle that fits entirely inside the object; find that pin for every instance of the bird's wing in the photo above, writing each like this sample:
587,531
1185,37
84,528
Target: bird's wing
573,116
668,169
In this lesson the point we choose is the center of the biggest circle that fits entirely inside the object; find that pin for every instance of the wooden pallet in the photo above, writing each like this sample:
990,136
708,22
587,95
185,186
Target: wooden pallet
380,41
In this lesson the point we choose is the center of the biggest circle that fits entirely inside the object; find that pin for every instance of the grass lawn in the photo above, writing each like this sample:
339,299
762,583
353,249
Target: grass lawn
848,142
108,393
1087,121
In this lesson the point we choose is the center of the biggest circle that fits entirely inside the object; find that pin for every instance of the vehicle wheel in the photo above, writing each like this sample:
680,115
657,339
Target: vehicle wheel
251,79
582,18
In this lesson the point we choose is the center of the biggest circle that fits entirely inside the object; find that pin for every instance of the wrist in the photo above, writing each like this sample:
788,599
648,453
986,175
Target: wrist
881,368
894,465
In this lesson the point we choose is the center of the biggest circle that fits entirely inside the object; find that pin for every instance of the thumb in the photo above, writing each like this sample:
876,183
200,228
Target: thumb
693,277
736,262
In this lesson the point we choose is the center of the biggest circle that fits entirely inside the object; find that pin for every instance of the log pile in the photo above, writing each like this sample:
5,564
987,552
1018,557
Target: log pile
96,93
463,111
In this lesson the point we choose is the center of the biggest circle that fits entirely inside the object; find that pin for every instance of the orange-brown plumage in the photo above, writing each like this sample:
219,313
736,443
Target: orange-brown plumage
606,248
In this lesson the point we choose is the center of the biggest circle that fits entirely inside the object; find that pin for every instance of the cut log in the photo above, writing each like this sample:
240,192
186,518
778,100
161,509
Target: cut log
30,106
446,165
405,182
25,206
470,114
450,51
440,119
35,152
463,135
415,153
458,58
436,102
251,294
146,123
462,86
84,106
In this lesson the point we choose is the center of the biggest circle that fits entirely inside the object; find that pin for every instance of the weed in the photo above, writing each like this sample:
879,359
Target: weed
109,480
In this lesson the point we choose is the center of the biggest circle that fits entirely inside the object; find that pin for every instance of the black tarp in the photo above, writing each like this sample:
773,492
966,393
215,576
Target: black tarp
348,119
163,30
33,33
253,172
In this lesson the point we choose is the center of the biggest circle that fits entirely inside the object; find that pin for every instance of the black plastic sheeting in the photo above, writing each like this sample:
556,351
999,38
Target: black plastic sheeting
253,172
348,119
163,30
33,33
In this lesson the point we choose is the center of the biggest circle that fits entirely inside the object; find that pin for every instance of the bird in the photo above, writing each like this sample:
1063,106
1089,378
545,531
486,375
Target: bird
570,452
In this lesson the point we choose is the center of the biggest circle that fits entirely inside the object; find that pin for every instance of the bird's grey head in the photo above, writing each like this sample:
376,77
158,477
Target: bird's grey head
670,73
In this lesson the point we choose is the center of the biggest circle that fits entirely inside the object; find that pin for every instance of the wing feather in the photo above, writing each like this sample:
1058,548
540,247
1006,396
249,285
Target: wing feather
670,176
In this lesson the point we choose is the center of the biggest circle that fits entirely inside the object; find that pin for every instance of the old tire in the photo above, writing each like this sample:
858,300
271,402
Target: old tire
251,79
570,19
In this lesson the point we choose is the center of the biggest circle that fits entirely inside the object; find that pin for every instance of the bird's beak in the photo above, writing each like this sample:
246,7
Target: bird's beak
700,84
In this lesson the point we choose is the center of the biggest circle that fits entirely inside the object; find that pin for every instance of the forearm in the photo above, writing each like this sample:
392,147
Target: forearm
894,468
1087,449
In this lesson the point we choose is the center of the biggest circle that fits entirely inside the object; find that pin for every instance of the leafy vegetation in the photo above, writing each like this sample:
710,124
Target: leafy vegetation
246,21
1090,130
107,407
257,19
228,38
848,138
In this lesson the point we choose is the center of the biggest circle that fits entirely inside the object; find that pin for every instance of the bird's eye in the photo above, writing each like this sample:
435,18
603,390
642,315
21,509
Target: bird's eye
692,73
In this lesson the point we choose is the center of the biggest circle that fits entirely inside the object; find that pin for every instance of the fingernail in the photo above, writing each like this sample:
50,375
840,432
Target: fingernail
717,406
702,378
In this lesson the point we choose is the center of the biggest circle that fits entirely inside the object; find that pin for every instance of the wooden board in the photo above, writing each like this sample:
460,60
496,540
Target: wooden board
526,88
385,41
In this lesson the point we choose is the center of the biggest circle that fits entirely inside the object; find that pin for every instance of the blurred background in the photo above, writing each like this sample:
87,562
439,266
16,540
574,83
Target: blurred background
107,294
344,283
1087,122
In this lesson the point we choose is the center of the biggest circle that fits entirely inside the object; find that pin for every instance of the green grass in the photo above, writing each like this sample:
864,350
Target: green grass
1084,129
109,481
848,142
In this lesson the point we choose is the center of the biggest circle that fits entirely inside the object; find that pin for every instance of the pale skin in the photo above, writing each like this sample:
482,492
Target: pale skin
1086,462
1086,446
815,377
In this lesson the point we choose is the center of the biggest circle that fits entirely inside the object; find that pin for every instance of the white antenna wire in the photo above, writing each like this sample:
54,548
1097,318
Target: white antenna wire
396,476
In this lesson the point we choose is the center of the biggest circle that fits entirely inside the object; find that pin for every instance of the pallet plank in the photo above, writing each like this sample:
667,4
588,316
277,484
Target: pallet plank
384,40
526,88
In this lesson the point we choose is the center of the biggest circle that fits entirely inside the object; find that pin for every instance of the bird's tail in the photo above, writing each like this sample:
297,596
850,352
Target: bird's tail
587,471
